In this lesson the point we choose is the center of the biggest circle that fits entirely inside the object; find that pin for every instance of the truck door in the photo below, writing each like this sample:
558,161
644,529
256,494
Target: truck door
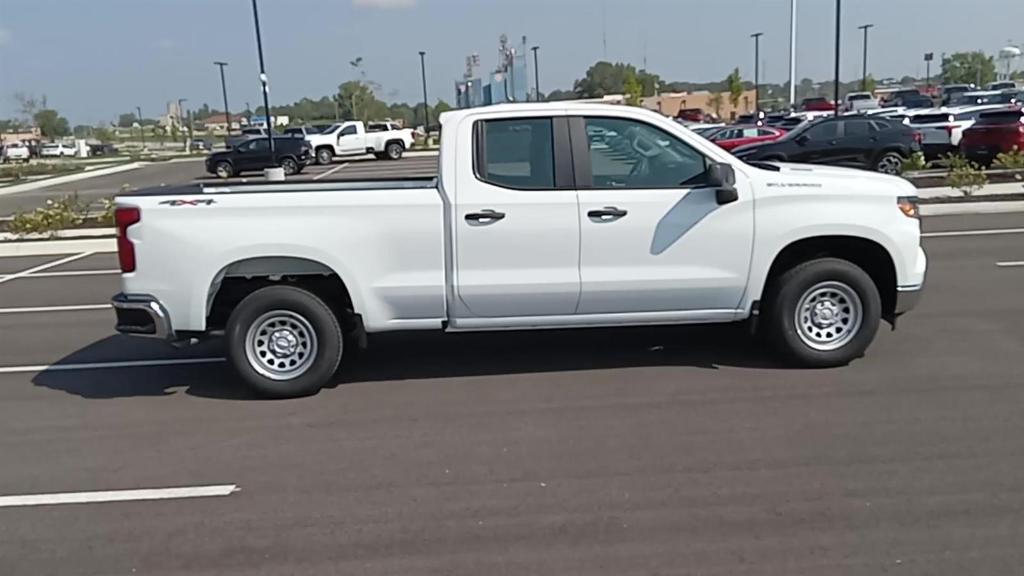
653,237
351,141
516,229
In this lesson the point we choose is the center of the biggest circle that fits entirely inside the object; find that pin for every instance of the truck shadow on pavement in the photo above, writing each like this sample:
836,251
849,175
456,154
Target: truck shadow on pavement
416,356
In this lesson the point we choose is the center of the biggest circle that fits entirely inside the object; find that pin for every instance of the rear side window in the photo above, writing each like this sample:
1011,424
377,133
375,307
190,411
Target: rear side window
517,153
857,128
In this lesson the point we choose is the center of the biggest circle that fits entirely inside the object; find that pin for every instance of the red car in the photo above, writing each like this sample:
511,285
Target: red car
735,136
690,114
993,132
817,104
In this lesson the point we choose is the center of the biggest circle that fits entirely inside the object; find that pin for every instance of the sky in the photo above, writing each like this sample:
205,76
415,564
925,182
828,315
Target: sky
95,59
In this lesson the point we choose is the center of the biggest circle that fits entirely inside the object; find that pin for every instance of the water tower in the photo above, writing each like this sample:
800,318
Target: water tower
1007,56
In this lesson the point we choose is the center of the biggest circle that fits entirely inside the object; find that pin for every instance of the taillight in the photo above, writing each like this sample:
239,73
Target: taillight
125,217
949,130
917,137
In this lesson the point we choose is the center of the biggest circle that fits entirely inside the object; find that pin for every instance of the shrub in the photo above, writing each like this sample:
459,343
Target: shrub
60,214
20,171
964,175
1012,160
915,163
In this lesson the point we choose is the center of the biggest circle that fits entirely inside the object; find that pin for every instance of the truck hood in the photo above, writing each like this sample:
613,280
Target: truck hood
836,177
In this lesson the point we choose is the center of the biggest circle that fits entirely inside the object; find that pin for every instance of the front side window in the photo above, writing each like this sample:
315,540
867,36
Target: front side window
517,153
260,145
348,130
637,155
823,131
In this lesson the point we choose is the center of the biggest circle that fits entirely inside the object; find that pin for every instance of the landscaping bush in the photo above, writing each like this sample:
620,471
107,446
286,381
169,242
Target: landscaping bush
21,171
60,214
1012,160
964,175
915,163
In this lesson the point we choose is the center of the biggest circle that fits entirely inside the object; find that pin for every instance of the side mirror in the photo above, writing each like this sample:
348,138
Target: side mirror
722,178
802,139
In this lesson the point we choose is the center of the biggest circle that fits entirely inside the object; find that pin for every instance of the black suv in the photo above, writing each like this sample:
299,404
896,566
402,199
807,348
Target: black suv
292,154
856,141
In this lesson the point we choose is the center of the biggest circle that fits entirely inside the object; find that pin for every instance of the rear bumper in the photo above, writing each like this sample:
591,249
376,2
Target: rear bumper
142,315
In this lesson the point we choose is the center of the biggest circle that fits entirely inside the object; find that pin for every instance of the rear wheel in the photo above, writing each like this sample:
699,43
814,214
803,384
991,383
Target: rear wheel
823,313
394,151
284,342
224,169
890,163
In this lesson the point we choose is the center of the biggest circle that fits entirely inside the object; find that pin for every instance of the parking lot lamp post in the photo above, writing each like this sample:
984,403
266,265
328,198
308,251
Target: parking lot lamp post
142,129
263,80
864,75
426,105
839,23
792,54
536,74
181,122
757,72
224,91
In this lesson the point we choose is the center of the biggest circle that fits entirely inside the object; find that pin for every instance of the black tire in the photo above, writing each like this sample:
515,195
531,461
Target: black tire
324,155
889,163
265,305
394,151
784,297
224,169
380,156
290,166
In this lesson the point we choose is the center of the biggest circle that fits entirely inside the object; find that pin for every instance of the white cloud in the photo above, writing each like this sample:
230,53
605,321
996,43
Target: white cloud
5,36
385,4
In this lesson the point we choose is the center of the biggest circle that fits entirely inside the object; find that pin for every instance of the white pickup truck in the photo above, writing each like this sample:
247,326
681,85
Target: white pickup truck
384,140
542,216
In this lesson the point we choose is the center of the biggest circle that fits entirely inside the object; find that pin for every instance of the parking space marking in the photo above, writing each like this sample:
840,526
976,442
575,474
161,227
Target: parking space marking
329,172
46,266
118,495
973,233
1010,264
38,309
66,273
107,365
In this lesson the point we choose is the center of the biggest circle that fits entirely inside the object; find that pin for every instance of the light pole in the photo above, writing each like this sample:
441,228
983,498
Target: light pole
536,73
426,105
864,74
142,129
263,80
839,23
224,91
928,57
757,73
181,122
792,54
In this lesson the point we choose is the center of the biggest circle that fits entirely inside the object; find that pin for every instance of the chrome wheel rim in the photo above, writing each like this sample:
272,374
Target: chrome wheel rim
223,171
394,151
281,345
289,167
829,316
890,164
324,157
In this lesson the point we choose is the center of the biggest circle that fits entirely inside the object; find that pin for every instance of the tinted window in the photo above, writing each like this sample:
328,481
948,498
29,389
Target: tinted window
858,128
823,131
637,155
765,132
517,153
349,130
727,134
260,145
997,118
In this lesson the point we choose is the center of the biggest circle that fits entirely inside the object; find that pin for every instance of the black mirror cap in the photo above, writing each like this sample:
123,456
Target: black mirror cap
721,175
802,139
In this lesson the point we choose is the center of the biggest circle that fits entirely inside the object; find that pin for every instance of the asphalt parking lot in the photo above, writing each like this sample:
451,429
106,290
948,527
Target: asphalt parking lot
415,164
653,451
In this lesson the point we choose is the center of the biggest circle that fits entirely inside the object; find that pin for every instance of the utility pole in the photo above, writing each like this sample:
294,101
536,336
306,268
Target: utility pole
536,73
224,91
928,57
757,74
792,54
864,75
263,80
839,23
142,129
426,105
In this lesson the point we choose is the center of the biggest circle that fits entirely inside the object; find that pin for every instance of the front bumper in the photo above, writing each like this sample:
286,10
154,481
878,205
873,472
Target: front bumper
142,315
907,299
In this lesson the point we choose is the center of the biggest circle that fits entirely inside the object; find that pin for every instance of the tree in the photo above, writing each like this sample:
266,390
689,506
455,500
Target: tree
968,68
103,134
556,95
357,102
10,125
734,85
870,83
126,120
632,89
604,78
51,124
29,104
715,101
82,130
651,83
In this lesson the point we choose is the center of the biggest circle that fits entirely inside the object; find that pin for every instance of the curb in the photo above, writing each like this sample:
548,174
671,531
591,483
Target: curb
84,175
972,208
62,235
55,247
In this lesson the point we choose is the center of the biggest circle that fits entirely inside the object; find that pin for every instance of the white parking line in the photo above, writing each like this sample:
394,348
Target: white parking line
46,266
66,273
39,309
107,365
1009,264
994,232
118,495
329,172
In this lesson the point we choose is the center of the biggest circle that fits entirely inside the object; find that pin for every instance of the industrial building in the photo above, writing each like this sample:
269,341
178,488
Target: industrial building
508,82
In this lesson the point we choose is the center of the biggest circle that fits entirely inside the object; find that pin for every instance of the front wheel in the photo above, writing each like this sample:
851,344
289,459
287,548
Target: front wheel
224,169
290,166
284,342
324,156
890,163
823,313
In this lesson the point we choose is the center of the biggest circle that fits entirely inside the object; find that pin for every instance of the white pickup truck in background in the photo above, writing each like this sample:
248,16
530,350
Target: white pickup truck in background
556,215
385,140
